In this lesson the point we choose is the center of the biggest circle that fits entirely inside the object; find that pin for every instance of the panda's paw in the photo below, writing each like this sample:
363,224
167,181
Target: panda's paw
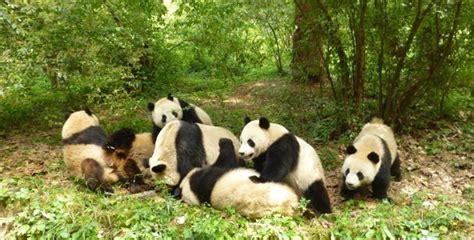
255,179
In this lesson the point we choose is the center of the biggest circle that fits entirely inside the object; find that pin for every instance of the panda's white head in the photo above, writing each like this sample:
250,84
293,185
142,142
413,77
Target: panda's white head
362,162
165,110
257,136
78,121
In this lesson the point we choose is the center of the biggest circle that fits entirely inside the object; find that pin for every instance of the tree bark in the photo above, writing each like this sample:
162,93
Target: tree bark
359,57
337,43
306,65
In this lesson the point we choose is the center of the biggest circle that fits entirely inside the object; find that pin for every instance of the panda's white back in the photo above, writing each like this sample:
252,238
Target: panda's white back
203,116
235,189
308,168
383,131
211,136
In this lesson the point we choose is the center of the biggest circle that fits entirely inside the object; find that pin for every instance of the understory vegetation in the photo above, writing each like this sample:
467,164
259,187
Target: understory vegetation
234,59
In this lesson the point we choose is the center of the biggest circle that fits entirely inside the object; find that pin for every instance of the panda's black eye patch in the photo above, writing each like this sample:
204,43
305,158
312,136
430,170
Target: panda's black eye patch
374,157
360,175
251,143
175,114
163,118
347,171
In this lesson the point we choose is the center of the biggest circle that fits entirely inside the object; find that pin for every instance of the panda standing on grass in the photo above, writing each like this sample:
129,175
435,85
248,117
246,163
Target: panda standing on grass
280,156
371,160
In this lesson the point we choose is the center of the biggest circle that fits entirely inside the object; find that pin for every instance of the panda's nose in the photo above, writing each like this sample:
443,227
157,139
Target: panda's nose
241,153
158,168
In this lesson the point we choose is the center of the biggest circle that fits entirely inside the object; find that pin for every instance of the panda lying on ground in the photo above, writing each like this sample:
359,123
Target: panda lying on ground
129,154
280,156
371,160
171,108
182,146
127,144
224,184
82,140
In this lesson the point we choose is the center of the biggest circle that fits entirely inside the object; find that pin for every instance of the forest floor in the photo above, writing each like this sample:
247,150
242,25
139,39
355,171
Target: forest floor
434,198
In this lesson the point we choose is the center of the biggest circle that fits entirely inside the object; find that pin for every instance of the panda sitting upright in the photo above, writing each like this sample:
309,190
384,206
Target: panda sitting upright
371,160
281,156
171,108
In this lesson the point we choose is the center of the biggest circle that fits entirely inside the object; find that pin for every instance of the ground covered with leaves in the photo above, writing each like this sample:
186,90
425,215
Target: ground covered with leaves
433,200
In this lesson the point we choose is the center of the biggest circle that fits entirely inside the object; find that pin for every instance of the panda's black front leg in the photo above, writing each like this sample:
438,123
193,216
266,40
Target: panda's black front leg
346,193
380,187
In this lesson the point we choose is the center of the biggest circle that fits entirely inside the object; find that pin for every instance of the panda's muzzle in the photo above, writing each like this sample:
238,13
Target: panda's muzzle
158,168
249,156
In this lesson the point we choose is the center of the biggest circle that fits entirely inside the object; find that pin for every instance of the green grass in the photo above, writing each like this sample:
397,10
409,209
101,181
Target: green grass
73,212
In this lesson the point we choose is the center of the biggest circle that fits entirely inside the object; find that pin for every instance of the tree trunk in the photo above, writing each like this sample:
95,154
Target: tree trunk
335,38
306,65
359,57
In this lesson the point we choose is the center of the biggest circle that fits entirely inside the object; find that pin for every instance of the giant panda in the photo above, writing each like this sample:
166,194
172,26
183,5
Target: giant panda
129,154
370,160
82,140
224,184
127,144
280,156
171,108
182,146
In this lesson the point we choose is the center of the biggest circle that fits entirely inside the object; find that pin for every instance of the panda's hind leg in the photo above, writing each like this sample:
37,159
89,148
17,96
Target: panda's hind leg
318,197
395,170
93,173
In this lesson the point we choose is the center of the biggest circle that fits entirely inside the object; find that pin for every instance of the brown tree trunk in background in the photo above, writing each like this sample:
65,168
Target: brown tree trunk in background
336,41
307,65
359,33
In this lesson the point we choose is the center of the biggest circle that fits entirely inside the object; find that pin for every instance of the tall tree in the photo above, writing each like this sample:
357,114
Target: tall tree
307,63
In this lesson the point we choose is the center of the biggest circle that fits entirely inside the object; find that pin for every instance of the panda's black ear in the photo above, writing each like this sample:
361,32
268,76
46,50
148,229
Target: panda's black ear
373,157
350,149
88,111
151,106
247,120
264,123
66,115
170,97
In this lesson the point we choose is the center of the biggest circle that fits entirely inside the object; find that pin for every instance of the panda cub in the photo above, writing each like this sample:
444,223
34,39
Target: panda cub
171,108
224,184
82,140
280,156
182,146
371,160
